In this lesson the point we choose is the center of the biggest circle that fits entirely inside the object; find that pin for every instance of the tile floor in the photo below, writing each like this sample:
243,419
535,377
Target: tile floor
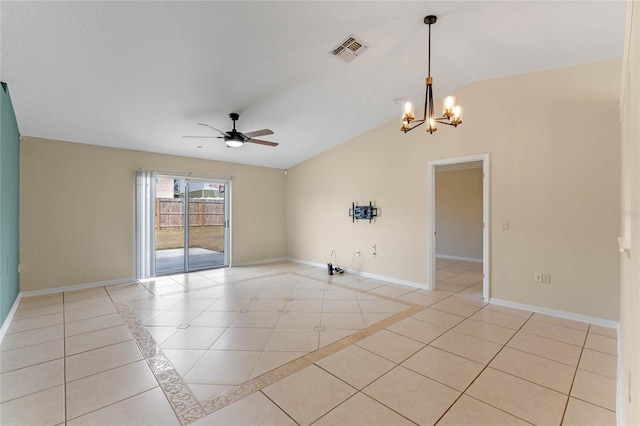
286,344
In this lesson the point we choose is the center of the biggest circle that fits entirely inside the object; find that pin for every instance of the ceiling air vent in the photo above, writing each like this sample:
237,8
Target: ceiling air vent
349,49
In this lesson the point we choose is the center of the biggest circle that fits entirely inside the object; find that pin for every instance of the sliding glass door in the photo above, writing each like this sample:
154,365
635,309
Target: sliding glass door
191,225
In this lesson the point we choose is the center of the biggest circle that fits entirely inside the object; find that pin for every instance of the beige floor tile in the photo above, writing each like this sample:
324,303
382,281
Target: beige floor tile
542,371
361,410
485,331
93,312
38,311
330,336
96,339
300,320
266,305
468,411
580,413
103,389
340,306
499,318
172,318
23,411
380,306
594,388
546,348
31,355
93,302
391,346
193,338
292,340
309,295
184,360
528,401
160,334
419,298
96,361
604,344
256,319
343,321
243,339
391,291
124,288
306,403
555,332
356,366
305,305
469,297
35,301
223,367
603,331
229,304
467,346
582,326
255,409
270,360
25,381
208,392
92,324
433,316
599,363
444,367
148,408
414,396
31,337
192,304
451,284
214,319
455,308
27,324
133,295
371,318
417,330
87,293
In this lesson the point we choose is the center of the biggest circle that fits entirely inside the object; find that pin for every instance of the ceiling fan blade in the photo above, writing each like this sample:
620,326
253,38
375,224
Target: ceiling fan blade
262,132
204,137
261,142
211,127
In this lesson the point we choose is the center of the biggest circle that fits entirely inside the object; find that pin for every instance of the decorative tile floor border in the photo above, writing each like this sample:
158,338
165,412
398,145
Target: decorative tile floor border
185,404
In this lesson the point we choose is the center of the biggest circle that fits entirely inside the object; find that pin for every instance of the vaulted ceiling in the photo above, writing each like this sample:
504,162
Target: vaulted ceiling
140,75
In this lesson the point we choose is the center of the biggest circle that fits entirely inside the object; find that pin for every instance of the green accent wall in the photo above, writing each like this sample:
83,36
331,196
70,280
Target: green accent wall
9,204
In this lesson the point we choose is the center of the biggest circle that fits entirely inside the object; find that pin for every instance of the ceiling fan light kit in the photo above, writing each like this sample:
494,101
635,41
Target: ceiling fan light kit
451,113
235,139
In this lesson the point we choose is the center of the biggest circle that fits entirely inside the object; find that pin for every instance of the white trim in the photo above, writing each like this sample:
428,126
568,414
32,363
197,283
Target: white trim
7,320
620,404
431,274
469,259
259,262
77,287
189,175
553,312
364,274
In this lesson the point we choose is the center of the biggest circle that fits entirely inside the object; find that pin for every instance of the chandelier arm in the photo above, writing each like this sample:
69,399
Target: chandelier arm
417,123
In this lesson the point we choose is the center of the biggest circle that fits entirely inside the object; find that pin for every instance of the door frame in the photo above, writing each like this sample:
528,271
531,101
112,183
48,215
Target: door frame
431,278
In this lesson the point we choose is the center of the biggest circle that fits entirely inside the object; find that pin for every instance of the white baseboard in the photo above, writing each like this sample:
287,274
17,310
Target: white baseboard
76,287
259,262
553,312
7,320
468,259
390,280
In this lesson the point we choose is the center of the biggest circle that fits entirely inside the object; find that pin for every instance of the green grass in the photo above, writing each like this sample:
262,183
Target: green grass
208,237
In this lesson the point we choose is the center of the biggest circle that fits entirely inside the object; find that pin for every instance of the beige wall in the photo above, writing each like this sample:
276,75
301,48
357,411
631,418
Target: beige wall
554,141
459,213
77,217
630,206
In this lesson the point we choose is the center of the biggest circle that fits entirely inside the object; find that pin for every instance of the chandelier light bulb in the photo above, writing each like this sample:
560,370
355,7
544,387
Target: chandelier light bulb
407,111
449,103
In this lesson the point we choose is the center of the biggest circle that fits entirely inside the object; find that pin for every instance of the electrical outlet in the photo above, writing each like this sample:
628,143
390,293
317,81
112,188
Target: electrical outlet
357,252
537,277
546,278
375,249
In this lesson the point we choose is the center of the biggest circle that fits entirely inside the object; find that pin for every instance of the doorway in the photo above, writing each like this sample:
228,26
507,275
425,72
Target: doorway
191,224
482,161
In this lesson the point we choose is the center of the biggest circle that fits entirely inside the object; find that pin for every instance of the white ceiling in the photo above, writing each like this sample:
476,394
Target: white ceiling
140,75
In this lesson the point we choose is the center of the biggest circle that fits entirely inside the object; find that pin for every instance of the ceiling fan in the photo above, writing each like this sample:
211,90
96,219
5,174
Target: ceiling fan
235,139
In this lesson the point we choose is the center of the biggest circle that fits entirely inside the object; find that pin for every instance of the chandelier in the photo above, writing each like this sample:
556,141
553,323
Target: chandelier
451,113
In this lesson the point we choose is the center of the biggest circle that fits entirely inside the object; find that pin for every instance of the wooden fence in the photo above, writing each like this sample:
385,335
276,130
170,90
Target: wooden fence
202,212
